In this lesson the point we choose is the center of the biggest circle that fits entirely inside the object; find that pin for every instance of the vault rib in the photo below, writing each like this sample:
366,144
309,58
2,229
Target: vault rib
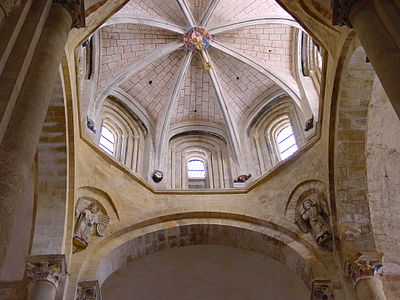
187,13
153,22
133,68
292,91
209,12
233,134
163,133
264,20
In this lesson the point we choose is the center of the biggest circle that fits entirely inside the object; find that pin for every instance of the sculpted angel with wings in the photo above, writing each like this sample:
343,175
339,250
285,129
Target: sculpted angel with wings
89,222
312,216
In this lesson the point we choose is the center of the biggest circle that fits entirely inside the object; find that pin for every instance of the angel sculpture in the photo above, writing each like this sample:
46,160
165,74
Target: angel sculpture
89,222
312,217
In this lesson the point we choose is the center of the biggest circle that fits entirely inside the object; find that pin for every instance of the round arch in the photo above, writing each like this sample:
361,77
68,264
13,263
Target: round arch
211,229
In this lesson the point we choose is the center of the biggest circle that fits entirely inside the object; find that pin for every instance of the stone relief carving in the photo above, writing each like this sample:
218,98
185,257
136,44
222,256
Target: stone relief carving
367,265
312,216
45,267
341,10
89,221
6,6
322,290
157,176
88,290
77,10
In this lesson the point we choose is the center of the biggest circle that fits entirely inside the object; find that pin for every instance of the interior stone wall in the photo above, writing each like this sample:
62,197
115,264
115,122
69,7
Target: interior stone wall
204,272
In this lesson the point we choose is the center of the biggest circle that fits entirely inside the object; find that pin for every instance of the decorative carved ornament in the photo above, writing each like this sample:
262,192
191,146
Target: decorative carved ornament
157,176
6,6
88,290
77,10
312,216
367,265
89,221
45,267
321,290
341,10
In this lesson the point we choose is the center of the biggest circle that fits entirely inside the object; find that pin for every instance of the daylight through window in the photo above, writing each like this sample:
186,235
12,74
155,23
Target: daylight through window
286,142
107,140
196,169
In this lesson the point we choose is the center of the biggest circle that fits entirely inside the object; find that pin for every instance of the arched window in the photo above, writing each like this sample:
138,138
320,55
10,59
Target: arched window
123,136
107,140
199,161
286,142
196,169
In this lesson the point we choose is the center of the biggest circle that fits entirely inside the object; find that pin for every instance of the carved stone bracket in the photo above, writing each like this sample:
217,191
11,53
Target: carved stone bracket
341,10
77,10
367,265
88,290
50,268
321,290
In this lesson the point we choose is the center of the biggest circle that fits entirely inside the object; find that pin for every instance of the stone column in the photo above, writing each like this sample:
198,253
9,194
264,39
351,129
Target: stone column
366,274
377,41
44,273
88,290
18,147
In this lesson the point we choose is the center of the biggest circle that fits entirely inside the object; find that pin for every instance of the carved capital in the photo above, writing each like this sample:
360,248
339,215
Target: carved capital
367,265
321,290
341,10
77,10
50,268
6,6
88,290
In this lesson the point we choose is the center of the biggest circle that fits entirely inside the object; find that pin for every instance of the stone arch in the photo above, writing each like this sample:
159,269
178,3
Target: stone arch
205,234
217,229
348,176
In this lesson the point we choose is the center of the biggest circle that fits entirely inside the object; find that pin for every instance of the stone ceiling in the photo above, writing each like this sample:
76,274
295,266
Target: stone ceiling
250,54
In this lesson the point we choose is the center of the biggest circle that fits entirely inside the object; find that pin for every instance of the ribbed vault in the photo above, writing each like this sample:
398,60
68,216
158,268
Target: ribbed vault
251,53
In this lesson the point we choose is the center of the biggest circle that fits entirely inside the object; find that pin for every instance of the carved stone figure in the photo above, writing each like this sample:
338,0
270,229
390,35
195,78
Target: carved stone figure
88,290
312,216
157,176
88,223
243,178
321,290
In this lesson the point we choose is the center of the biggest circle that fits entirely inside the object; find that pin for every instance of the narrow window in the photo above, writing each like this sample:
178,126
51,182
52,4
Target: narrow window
107,140
196,169
286,142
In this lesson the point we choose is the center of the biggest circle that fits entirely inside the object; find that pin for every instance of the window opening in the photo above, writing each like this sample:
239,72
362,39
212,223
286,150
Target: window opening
286,142
196,169
107,140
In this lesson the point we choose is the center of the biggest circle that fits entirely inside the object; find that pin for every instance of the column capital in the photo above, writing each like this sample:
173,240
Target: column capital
341,9
6,6
88,290
321,290
367,265
50,268
77,10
